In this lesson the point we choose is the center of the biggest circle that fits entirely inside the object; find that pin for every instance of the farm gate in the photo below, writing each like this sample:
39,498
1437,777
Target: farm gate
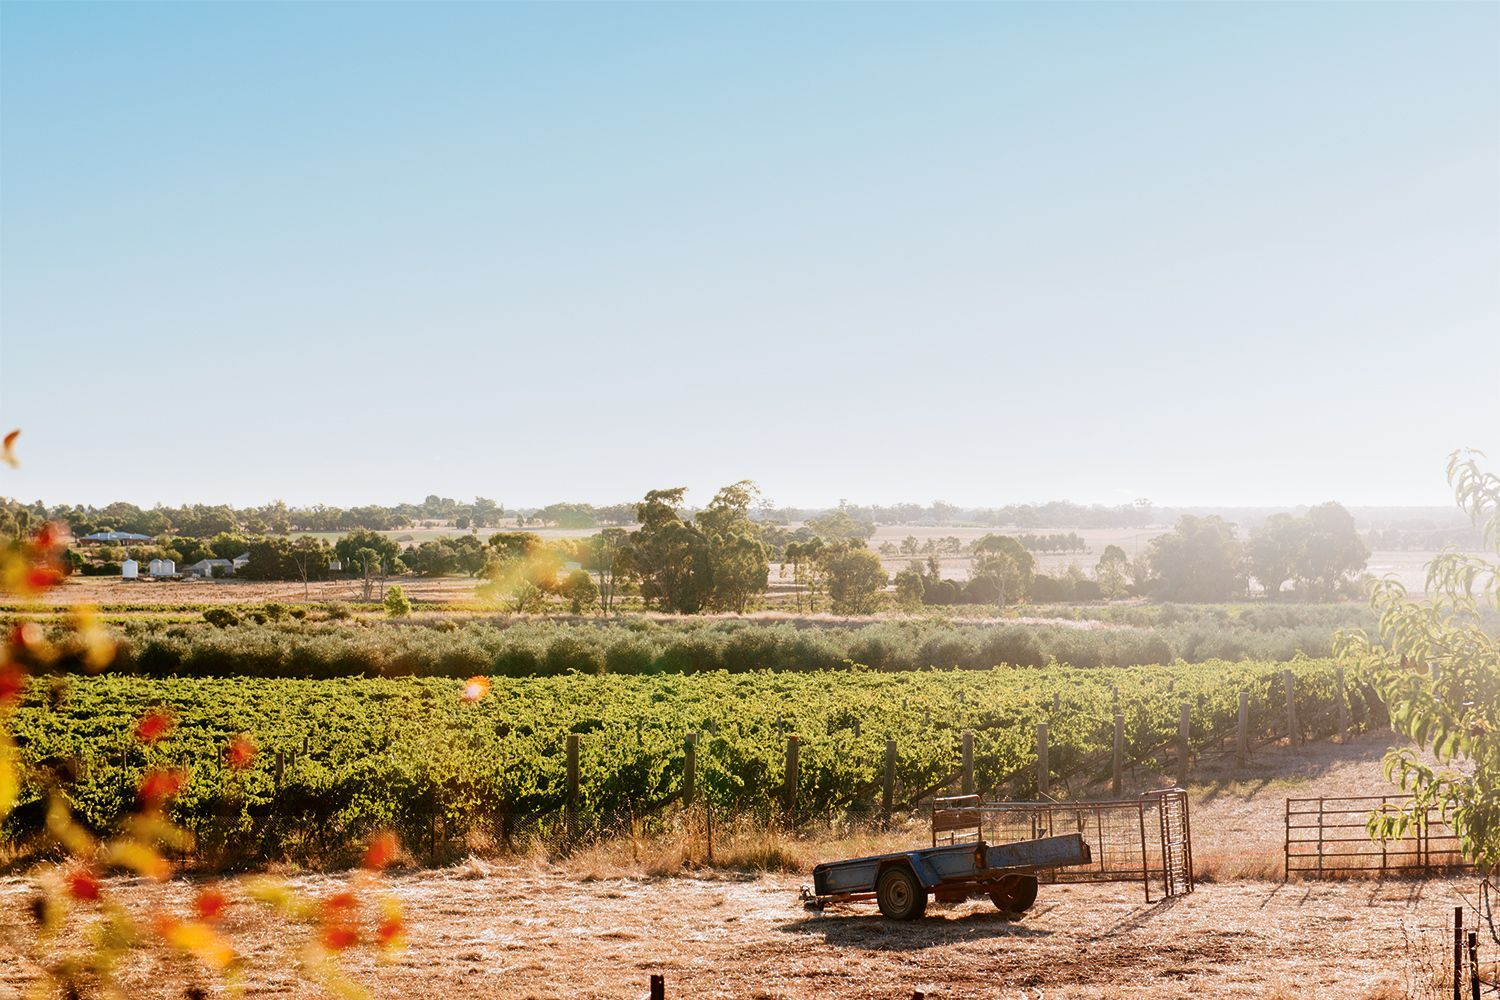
1326,837
1147,839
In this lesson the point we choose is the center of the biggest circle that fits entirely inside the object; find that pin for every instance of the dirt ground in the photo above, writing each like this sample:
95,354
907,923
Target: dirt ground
597,925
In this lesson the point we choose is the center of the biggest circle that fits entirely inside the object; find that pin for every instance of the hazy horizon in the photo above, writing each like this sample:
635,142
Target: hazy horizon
1228,254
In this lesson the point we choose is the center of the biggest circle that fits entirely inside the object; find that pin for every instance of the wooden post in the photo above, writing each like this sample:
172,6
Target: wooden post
1056,703
888,792
280,766
571,808
1343,706
1458,953
790,792
1291,707
1119,755
689,766
1043,777
1474,965
1242,732
305,740
658,986
1184,738
968,768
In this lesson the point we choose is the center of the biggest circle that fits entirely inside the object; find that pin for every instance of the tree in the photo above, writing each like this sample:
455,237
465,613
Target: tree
838,524
1331,549
1275,551
911,589
1437,668
1002,563
579,590
1112,572
738,563
803,556
670,556
605,554
396,603
1199,560
852,574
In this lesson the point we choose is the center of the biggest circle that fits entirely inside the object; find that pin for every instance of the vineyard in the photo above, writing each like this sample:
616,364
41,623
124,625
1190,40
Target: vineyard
342,758
523,647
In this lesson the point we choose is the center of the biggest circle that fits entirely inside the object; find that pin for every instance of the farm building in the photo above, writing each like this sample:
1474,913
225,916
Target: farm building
130,569
109,537
162,567
211,568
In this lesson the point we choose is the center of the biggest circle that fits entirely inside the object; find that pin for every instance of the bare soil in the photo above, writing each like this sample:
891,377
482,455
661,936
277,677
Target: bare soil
599,923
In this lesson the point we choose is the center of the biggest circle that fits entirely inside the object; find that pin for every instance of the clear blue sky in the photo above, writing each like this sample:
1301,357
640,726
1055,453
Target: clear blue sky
1206,253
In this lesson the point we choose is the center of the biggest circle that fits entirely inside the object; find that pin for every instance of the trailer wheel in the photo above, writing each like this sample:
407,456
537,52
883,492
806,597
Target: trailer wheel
1016,894
900,895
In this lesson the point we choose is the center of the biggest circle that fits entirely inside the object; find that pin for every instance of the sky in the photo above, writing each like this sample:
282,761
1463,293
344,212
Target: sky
355,253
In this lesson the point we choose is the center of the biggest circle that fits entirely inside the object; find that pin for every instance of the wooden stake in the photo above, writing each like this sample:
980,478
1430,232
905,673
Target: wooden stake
1043,776
689,766
790,791
1291,707
1458,953
571,808
888,792
658,987
1343,707
1119,754
1242,733
968,766
1184,739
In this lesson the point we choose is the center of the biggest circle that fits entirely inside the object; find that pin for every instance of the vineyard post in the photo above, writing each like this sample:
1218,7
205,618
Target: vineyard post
790,792
689,766
658,986
1343,706
1056,702
1119,755
1043,783
571,808
888,791
1291,707
1474,984
1458,953
280,766
968,762
1184,738
1242,731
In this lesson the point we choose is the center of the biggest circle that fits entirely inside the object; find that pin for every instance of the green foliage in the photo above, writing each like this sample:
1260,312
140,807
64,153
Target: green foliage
390,752
1319,550
580,591
1002,568
1437,668
852,575
397,605
1199,560
221,617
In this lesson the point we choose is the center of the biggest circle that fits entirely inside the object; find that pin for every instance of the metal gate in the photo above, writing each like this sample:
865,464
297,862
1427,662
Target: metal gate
1327,838
1147,839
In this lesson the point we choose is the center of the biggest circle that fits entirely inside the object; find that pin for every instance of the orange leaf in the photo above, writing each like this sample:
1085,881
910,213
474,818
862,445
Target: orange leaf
83,885
210,904
382,850
153,726
8,449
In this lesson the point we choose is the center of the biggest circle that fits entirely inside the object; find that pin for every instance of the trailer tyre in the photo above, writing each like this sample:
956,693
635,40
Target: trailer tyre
1016,894
900,895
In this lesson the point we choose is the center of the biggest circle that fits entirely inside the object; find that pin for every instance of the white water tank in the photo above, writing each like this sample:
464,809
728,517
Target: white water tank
130,569
162,567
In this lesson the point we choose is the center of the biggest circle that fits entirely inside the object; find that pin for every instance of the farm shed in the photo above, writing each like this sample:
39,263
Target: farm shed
130,569
109,537
211,568
162,567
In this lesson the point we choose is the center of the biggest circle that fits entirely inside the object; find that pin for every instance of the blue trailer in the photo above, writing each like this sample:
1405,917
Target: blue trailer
901,883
